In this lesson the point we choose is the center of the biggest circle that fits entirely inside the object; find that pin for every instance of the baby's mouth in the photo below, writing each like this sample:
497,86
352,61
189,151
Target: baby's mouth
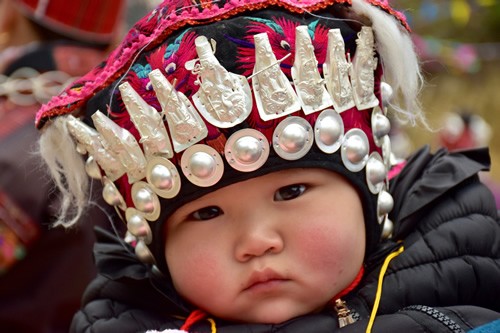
264,280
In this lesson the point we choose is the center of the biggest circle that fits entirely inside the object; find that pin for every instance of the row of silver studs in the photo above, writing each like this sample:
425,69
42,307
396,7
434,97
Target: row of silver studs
247,150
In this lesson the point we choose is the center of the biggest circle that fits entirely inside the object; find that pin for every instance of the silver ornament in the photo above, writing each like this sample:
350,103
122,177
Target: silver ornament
385,204
387,229
146,200
143,253
92,169
293,138
386,151
247,150
376,173
381,125
111,194
329,131
355,149
137,225
202,165
163,177
387,93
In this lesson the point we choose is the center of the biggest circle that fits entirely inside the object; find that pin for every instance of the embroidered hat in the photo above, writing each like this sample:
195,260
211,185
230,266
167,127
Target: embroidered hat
201,96
85,20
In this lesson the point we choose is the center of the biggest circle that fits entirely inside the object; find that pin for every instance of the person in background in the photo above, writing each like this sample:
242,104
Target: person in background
44,45
464,130
246,146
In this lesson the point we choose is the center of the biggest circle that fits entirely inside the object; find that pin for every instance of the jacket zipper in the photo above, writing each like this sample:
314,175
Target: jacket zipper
437,315
344,315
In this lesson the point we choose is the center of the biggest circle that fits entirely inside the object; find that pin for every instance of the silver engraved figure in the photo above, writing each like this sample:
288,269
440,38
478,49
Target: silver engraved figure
185,124
224,98
306,77
89,138
362,71
121,144
336,72
148,121
273,92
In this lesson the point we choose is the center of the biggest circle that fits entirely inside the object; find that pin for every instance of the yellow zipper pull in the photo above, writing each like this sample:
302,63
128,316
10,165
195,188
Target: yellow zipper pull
343,313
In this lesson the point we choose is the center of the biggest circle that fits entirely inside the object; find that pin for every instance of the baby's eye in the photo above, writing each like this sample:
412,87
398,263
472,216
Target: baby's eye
289,192
207,213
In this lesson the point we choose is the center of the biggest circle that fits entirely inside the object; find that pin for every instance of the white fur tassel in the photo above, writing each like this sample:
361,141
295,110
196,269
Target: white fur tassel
67,168
400,62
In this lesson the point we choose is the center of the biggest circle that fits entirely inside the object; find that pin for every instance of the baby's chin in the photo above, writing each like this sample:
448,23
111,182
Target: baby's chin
276,315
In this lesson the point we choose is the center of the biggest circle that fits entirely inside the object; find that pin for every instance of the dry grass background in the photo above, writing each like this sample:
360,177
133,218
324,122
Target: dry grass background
448,91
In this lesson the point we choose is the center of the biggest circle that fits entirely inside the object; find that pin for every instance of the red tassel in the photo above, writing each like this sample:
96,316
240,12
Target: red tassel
193,318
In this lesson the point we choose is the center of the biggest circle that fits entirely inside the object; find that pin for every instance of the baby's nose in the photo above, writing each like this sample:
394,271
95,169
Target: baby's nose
258,239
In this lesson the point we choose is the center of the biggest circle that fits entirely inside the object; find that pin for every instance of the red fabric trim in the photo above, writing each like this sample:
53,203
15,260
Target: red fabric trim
351,287
193,318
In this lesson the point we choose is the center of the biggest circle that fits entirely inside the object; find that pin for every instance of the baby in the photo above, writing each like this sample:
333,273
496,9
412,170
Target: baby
245,145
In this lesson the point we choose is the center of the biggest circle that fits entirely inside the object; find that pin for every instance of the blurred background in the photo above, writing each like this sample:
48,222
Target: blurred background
459,44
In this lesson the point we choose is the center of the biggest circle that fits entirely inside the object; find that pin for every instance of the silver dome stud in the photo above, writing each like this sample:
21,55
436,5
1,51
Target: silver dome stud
387,93
202,165
137,225
387,229
146,200
376,173
92,169
386,151
381,125
111,194
247,150
385,204
293,138
329,131
143,253
163,177
355,149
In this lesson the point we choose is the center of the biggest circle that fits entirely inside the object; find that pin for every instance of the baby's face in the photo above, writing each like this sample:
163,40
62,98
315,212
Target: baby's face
270,248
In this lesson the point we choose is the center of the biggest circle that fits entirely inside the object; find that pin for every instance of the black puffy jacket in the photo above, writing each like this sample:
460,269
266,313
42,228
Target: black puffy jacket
446,280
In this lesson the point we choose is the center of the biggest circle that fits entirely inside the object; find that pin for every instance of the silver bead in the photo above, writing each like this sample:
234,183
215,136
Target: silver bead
385,204
387,93
137,225
163,177
355,149
202,165
143,253
376,173
381,125
129,238
80,149
92,169
386,151
146,200
247,150
387,229
111,194
329,131
293,138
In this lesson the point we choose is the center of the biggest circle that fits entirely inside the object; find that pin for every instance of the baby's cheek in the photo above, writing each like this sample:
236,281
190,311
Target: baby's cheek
320,246
198,275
